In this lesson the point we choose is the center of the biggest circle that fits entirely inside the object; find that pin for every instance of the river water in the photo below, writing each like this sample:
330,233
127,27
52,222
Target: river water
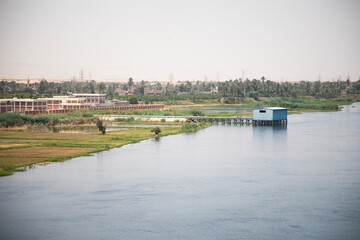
224,182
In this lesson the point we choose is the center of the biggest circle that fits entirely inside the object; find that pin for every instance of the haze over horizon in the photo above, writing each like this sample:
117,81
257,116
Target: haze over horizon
192,40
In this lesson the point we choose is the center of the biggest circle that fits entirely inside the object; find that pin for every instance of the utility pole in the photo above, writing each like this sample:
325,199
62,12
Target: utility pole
81,77
348,77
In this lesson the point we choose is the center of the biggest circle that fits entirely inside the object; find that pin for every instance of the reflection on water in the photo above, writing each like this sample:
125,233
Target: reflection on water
300,181
271,136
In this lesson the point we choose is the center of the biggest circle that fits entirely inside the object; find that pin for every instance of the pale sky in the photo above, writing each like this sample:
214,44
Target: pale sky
149,40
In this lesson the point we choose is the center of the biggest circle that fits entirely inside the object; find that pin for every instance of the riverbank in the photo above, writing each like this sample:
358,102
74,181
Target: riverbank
21,149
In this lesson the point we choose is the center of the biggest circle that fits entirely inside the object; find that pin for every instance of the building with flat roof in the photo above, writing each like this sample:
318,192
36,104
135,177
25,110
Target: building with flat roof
22,105
270,114
75,101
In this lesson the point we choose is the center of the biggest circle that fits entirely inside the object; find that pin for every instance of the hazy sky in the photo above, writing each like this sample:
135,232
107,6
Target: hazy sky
289,40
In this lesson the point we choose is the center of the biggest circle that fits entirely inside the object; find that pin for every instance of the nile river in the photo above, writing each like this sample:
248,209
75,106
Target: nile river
224,182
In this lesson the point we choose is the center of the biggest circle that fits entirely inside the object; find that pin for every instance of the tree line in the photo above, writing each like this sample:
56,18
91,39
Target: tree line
229,90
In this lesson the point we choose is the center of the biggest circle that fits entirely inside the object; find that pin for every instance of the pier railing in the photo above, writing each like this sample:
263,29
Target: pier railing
222,120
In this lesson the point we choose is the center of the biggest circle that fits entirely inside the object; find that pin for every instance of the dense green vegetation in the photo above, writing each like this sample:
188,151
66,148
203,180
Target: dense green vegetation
17,120
174,99
301,103
232,91
193,126
238,91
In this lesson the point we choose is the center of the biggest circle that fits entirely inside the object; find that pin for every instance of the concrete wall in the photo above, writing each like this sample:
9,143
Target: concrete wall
258,114
280,114
269,114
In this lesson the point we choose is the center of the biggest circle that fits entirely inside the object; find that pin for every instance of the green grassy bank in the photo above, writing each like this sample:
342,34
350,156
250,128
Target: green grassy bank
20,150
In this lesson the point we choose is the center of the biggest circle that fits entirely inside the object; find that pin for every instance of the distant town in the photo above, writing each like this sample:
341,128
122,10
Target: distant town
230,91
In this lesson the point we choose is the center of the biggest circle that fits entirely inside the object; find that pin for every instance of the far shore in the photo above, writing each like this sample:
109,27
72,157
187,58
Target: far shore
21,149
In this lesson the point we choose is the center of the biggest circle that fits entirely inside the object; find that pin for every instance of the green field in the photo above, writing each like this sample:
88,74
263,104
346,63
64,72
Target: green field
20,148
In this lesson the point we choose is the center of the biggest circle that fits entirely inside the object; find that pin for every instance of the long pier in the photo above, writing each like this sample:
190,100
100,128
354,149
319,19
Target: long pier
218,120
238,120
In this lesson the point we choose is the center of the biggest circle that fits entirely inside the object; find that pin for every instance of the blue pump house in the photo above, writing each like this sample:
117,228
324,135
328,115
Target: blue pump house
270,114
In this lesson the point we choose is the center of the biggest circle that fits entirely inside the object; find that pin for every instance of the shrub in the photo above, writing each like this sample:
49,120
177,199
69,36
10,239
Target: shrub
86,115
189,127
41,119
100,126
196,113
202,124
120,119
81,121
130,119
156,130
53,122
133,100
11,120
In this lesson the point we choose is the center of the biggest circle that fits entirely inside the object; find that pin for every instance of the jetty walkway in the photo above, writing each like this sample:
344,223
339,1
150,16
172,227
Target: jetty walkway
221,120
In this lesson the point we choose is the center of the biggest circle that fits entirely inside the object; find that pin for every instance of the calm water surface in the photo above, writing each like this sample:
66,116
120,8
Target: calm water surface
225,182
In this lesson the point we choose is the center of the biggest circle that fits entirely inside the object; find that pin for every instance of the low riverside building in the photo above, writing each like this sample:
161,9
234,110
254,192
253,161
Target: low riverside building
75,101
22,105
270,115
63,104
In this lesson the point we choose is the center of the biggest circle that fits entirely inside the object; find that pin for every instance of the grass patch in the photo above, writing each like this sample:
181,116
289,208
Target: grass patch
42,147
9,161
194,126
5,173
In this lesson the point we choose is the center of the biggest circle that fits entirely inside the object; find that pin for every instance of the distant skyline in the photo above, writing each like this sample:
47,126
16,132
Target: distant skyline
288,40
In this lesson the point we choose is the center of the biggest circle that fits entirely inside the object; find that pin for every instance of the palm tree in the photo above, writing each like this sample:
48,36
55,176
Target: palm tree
101,87
130,83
